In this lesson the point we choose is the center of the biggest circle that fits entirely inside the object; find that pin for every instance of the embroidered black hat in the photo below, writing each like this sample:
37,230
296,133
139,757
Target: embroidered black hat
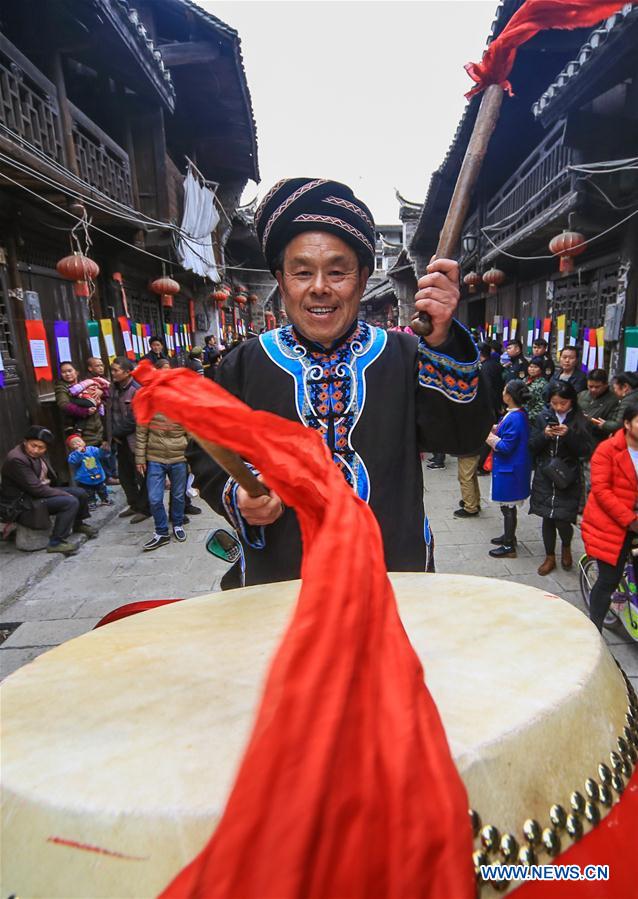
295,205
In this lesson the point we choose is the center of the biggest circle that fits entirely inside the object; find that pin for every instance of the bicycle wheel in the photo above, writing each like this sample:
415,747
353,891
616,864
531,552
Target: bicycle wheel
587,576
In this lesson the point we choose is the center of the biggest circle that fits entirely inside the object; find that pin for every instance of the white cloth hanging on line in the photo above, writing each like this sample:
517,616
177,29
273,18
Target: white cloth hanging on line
198,222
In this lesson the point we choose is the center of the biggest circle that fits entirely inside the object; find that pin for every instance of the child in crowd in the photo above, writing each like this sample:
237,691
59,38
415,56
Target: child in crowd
86,464
95,389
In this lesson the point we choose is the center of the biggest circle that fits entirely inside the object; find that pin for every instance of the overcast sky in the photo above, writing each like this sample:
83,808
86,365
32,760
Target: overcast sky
368,92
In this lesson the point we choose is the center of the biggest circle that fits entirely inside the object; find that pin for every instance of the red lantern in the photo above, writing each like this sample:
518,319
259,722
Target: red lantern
241,299
494,277
166,287
219,296
472,280
252,297
567,245
81,270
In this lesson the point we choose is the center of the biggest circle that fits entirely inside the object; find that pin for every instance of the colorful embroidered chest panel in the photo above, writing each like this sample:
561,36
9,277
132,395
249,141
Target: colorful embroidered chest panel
330,390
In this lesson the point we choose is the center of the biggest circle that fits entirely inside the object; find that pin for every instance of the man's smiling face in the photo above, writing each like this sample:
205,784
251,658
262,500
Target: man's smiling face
321,285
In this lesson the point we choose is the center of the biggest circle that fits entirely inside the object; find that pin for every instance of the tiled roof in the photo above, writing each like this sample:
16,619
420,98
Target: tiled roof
146,45
211,20
587,55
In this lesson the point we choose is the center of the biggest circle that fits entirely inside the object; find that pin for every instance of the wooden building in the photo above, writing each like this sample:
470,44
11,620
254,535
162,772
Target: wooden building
104,106
563,157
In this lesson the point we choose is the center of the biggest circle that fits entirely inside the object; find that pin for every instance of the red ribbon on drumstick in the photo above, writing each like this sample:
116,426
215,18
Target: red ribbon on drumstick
492,76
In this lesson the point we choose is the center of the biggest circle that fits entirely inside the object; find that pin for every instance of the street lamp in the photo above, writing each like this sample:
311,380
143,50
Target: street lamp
469,242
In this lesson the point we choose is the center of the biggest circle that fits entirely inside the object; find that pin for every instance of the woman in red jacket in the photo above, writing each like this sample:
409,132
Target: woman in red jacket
610,521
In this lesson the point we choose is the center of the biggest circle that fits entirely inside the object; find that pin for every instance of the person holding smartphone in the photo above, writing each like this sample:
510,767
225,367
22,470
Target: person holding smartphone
560,442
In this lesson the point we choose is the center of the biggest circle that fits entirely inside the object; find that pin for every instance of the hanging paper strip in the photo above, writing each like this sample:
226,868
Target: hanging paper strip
573,334
146,329
561,325
191,314
125,328
176,336
530,334
167,339
1,370
593,347
600,337
38,347
514,328
585,353
547,329
537,328
506,330
140,338
93,329
171,338
134,340
62,334
106,326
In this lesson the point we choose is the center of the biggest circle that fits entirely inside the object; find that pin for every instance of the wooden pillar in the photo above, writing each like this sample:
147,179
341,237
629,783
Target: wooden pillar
65,114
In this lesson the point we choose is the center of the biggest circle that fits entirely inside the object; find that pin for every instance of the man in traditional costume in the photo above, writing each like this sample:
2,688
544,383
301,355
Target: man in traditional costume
377,398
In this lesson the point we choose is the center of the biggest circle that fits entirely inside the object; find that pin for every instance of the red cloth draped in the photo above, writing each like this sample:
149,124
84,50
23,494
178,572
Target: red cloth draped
612,843
347,787
532,17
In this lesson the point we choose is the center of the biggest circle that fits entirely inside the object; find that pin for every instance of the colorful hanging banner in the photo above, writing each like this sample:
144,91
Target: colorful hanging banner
547,329
106,326
38,347
514,328
530,334
585,353
62,334
593,348
1,370
506,330
146,331
561,325
537,328
600,338
631,348
93,329
134,341
177,339
191,314
573,334
125,328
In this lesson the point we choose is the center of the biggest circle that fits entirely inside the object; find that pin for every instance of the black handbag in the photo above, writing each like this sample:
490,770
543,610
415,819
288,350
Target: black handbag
561,473
11,509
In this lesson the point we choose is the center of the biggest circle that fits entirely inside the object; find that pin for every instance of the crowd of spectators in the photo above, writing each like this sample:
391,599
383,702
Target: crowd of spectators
105,448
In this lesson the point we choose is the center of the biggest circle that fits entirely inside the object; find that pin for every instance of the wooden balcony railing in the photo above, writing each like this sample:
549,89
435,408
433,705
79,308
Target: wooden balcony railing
101,162
30,117
28,104
537,185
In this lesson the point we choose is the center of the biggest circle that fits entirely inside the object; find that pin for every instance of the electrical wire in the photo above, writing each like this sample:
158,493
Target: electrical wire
575,247
126,243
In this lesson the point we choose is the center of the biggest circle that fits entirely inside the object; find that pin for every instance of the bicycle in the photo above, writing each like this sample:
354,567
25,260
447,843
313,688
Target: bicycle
623,610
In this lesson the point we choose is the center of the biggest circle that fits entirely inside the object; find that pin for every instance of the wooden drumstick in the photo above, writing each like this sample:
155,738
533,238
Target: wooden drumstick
470,169
235,467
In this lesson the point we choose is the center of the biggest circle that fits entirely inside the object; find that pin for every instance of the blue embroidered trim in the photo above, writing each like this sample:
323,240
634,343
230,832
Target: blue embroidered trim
330,390
251,535
458,381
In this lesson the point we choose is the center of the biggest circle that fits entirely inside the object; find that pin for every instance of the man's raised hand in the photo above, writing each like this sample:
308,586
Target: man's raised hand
438,295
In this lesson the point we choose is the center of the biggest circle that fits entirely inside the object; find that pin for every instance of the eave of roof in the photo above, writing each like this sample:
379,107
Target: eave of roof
212,21
151,57
600,42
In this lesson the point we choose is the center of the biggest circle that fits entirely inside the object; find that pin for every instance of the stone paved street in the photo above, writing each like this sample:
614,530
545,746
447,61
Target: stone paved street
54,601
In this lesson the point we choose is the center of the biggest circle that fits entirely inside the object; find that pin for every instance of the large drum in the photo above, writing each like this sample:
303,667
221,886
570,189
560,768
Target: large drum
120,747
